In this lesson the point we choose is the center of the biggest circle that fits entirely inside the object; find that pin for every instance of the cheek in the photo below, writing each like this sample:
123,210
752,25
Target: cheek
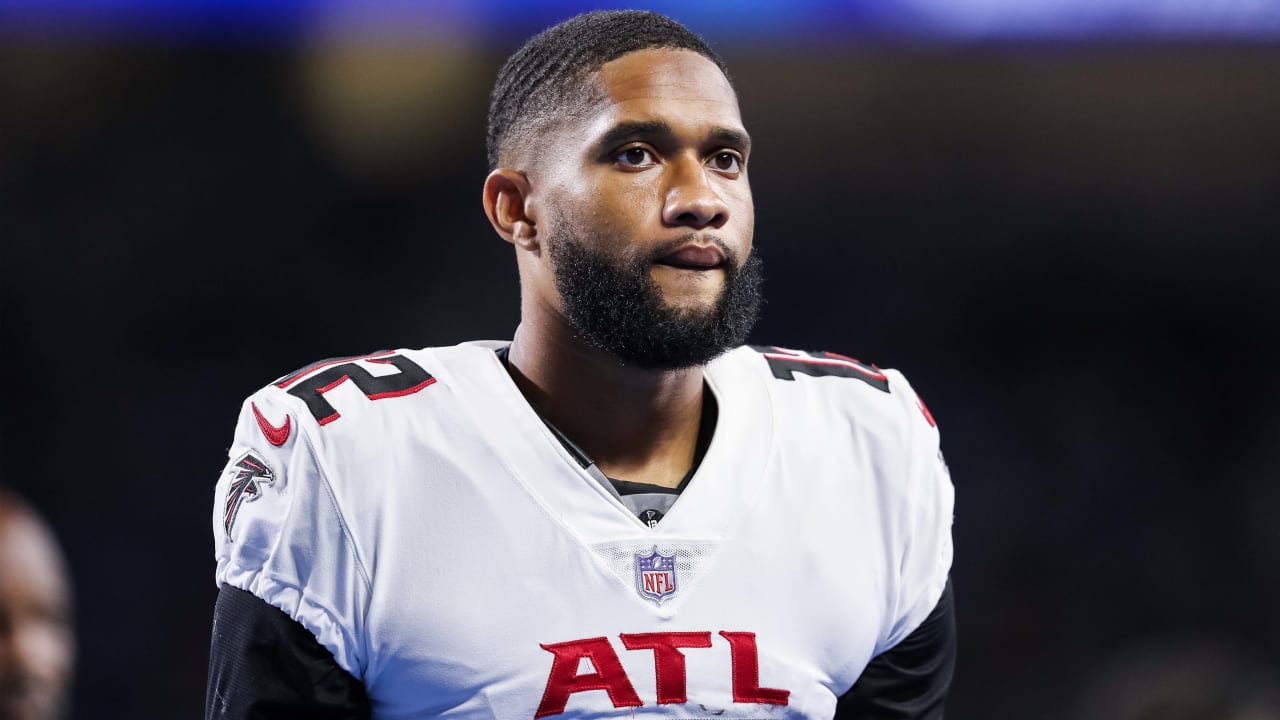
742,212
740,192
627,194
614,215
746,208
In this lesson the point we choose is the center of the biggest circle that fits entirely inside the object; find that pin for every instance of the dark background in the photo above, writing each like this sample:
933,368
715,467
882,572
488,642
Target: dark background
1068,246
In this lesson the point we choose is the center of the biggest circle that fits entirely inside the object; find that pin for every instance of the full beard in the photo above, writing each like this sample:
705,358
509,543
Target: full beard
616,306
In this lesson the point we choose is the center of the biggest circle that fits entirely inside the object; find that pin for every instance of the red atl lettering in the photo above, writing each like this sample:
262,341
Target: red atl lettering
668,661
669,669
746,672
565,680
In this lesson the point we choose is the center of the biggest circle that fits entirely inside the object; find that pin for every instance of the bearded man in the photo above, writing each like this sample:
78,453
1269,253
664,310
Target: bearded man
624,511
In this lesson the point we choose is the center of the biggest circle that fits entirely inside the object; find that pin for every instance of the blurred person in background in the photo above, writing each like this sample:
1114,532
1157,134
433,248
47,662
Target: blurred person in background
37,642
624,508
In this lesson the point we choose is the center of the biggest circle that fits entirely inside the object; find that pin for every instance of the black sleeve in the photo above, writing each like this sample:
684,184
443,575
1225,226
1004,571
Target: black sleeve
263,665
910,681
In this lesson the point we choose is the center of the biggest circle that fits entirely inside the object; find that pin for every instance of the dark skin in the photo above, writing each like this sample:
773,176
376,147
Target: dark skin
37,645
662,157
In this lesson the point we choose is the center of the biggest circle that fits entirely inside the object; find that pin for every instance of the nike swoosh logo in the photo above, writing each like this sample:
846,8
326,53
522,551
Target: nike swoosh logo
275,435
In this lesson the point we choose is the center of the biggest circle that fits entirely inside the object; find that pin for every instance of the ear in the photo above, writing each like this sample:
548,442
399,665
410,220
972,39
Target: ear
506,202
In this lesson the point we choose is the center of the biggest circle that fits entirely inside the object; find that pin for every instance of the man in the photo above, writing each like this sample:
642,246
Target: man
621,512
37,644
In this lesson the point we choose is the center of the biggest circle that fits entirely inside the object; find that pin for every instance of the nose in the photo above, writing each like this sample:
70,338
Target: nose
691,198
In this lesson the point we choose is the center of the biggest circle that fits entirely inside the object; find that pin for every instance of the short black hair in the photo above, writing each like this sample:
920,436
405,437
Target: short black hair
543,79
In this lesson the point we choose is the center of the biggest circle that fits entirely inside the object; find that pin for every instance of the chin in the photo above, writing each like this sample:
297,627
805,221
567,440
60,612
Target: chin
702,297
692,305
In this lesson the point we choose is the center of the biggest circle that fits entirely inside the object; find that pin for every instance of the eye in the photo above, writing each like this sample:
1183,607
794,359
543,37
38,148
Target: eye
726,161
635,156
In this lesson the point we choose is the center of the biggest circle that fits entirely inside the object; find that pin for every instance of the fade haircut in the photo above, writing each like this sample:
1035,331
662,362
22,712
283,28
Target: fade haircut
546,79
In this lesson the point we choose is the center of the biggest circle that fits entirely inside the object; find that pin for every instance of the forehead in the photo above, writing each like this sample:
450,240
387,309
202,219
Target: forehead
680,87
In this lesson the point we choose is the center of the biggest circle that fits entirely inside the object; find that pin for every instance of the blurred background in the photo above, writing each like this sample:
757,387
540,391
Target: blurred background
1058,218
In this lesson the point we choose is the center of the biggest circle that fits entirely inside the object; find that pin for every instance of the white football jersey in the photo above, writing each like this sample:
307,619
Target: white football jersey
413,511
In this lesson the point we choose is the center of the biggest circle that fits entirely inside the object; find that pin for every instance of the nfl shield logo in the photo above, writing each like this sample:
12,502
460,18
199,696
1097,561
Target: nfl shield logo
656,575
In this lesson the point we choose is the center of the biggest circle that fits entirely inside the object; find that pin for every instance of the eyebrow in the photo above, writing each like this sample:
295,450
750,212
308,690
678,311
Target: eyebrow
623,131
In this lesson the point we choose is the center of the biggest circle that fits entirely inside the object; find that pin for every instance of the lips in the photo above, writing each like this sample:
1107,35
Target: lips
694,257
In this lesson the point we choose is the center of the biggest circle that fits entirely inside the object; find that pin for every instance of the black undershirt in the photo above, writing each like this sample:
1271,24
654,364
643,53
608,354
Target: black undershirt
263,665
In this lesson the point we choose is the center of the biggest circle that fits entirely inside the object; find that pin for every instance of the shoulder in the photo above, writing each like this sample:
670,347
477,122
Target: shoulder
345,398
296,435
869,421
378,375
343,425
827,387
289,514
882,444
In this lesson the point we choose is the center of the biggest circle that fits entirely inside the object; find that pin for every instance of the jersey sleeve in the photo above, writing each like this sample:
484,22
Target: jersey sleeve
280,535
264,664
925,526
911,680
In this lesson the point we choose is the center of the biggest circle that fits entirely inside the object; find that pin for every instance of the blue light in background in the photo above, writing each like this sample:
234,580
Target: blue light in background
721,20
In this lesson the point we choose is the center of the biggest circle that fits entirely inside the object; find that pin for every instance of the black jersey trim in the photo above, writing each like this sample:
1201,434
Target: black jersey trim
911,680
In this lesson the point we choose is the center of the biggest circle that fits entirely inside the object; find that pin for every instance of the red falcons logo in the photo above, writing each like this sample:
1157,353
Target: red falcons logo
249,474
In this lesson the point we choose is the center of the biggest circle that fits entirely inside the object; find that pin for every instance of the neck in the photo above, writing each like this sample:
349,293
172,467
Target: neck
638,425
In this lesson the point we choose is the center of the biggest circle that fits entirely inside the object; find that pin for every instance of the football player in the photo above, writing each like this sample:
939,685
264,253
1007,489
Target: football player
623,511
37,643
